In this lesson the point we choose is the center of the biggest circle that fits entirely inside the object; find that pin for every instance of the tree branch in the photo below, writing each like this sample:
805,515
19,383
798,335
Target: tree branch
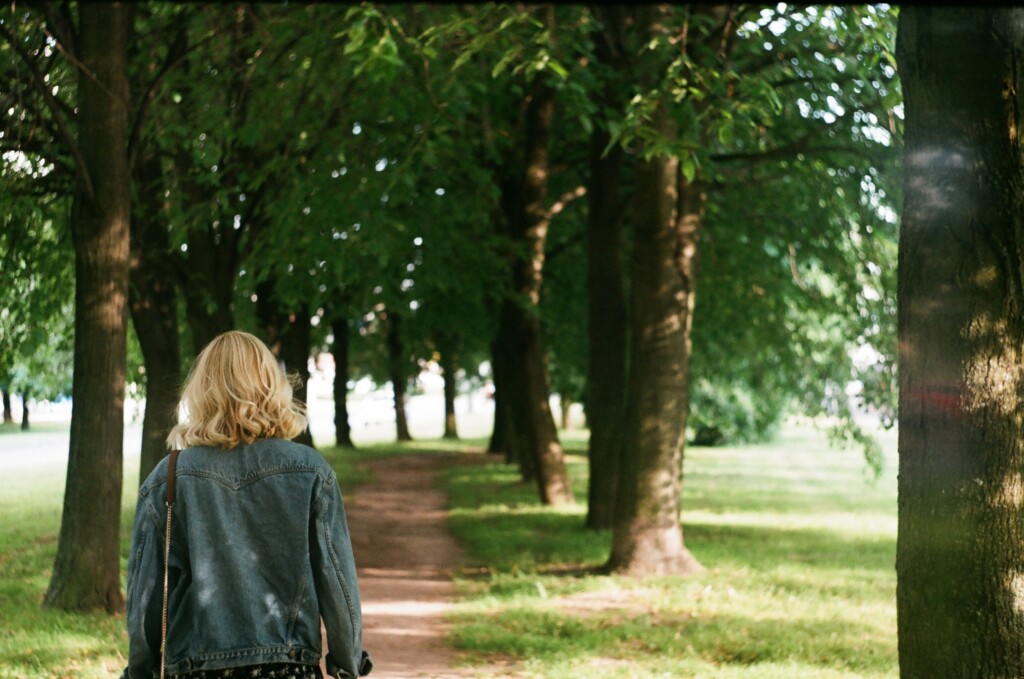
176,54
564,200
51,103
59,18
791,151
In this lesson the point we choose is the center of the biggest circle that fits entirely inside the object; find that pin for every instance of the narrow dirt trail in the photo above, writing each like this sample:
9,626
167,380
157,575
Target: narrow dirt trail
406,558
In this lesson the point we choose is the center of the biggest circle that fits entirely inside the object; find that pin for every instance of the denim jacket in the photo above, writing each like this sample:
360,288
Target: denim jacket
260,550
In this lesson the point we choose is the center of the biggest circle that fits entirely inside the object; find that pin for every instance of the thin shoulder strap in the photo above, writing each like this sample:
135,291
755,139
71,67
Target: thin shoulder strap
172,463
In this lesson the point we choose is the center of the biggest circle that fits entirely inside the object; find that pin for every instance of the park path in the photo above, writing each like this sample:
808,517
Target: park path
406,557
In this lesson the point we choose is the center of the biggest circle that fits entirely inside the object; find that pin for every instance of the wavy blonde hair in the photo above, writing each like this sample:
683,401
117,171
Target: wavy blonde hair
236,393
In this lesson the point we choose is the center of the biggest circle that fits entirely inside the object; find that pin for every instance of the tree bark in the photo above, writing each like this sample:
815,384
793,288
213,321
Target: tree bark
208,289
960,546
154,311
647,537
24,411
342,428
450,387
288,335
519,334
398,371
296,348
86,572
606,328
503,432
8,415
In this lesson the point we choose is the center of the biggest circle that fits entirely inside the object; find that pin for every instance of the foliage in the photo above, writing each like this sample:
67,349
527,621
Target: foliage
36,289
375,185
789,119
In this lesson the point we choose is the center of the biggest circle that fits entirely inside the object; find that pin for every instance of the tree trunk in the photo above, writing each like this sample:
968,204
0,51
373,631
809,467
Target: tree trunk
154,311
86,572
450,388
522,350
399,373
24,411
566,407
206,322
296,347
287,334
342,428
647,537
606,328
501,433
210,266
960,547
607,322
8,415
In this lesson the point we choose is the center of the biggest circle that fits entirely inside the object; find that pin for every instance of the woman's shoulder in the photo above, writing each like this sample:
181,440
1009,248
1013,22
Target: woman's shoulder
291,453
156,478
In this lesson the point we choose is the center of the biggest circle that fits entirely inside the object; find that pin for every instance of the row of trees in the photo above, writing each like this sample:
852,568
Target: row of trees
541,187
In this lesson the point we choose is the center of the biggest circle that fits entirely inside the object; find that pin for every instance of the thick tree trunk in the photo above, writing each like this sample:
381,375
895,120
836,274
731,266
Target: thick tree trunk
86,572
154,311
450,388
24,411
647,537
8,415
342,428
397,369
960,547
606,329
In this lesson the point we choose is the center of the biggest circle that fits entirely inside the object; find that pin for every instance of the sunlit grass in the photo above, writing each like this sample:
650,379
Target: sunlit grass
38,643
798,545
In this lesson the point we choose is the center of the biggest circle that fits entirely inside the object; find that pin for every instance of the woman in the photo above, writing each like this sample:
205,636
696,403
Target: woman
260,547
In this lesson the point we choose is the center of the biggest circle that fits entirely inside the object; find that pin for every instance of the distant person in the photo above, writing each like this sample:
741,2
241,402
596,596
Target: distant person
259,547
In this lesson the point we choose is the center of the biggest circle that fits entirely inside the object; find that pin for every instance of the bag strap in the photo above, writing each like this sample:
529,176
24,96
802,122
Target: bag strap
172,463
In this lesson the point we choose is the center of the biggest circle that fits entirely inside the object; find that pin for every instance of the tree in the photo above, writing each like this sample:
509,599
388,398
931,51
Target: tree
667,210
153,302
730,98
607,323
86,573
961,322
521,169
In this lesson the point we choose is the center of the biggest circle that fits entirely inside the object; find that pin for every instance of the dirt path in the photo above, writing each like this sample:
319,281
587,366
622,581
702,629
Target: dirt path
406,558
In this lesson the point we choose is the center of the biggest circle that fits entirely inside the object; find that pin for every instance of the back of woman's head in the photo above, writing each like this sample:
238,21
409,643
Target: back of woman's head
236,393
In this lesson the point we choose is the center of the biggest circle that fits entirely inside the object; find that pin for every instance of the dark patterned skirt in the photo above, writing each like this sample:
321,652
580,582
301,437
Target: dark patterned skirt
266,671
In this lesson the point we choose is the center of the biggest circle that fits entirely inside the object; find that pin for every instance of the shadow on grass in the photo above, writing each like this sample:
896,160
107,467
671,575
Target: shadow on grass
733,545
653,640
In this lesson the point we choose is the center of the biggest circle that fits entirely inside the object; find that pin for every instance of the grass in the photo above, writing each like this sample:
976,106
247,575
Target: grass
38,643
798,547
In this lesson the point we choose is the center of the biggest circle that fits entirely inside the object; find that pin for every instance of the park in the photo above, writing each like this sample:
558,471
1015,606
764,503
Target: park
647,340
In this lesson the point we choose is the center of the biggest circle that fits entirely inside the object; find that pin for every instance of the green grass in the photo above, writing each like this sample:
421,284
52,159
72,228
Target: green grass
38,643
799,549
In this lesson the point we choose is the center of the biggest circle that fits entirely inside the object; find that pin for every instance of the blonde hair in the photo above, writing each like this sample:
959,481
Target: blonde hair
235,393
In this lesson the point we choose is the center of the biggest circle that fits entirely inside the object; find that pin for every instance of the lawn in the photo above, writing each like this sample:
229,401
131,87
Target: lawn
798,545
37,643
